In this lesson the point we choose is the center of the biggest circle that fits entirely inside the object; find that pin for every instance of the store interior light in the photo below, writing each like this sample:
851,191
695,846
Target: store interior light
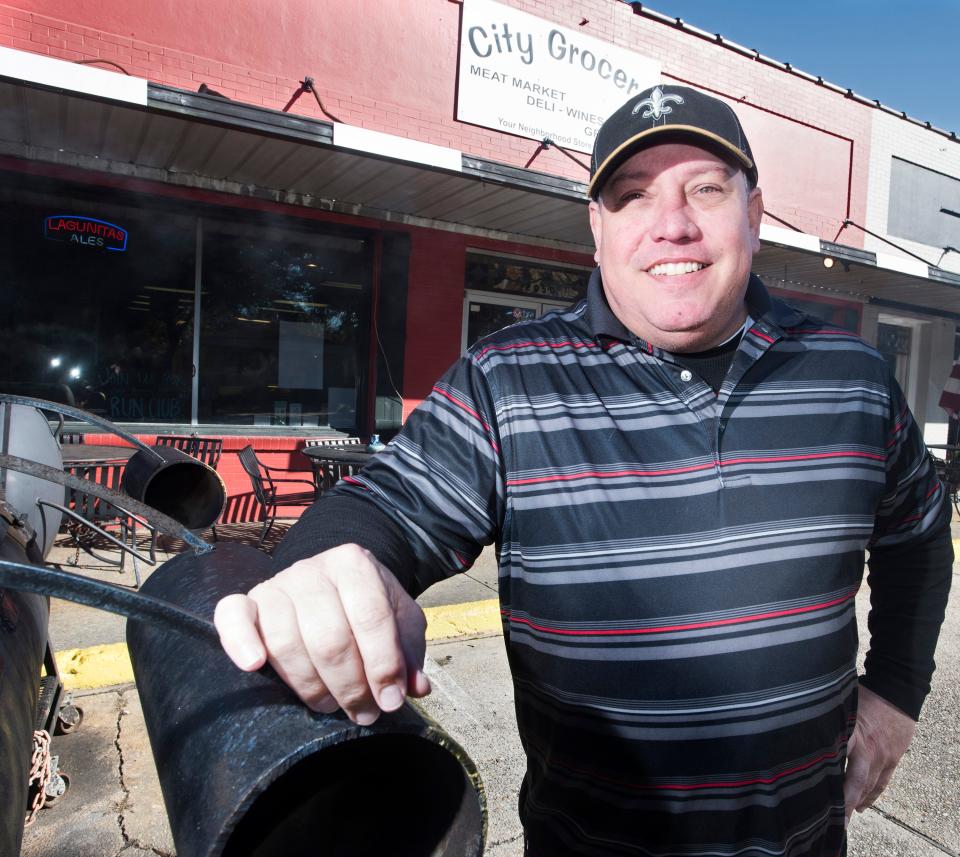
284,309
299,304
174,291
828,261
352,286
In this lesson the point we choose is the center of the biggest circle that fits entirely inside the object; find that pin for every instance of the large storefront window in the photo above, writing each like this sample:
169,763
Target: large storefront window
102,290
284,326
98,305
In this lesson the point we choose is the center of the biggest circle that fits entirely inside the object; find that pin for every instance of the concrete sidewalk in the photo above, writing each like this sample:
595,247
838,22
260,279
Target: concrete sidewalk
114,805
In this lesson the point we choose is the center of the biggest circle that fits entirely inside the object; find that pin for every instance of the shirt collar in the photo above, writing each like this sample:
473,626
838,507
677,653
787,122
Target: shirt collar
760,307
602,321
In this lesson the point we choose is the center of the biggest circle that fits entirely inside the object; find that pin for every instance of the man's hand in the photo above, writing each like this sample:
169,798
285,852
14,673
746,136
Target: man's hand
338,628
881,736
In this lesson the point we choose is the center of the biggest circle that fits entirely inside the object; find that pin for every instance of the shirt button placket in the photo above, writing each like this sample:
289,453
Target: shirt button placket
721,430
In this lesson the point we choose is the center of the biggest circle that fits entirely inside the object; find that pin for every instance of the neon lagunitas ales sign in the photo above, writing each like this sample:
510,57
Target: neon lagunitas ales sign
85,232
523,75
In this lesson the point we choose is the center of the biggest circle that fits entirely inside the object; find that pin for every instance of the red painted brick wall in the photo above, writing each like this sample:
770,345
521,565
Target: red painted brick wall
435,301
392,67
434,310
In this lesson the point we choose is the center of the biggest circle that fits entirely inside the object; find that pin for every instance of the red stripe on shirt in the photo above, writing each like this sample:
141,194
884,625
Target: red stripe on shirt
732,784
672,471
719,784
532,343
690,626
595,474
465,407
822,332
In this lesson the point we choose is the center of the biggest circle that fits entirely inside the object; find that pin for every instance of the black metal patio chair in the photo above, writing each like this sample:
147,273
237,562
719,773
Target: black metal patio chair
89,518
205,449
948,470
267,488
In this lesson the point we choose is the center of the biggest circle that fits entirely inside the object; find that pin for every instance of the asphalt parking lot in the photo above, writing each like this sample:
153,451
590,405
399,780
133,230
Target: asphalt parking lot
114,805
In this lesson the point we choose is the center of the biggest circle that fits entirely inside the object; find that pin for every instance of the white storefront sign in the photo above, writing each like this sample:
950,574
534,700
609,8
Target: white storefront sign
522,75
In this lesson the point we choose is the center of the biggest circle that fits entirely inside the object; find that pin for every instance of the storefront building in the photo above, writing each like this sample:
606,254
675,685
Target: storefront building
277,224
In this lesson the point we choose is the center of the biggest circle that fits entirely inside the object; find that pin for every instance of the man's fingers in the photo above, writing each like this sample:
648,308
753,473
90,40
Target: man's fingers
418,684
413,640
857,775
338,629
286,649
335,653
371,609
879,740
870,798
236,620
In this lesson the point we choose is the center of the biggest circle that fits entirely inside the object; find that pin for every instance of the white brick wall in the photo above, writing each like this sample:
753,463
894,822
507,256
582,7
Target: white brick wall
894,137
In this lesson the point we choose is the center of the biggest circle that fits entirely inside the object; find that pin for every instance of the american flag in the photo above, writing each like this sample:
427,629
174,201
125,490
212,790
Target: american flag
950,397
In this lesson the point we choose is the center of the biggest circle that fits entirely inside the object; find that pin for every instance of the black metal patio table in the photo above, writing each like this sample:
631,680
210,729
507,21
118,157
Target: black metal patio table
331,464
88,455
946,458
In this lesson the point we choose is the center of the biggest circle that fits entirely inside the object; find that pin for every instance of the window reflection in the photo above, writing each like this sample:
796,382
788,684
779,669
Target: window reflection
107,330
529,277
284,321
842,314
285,318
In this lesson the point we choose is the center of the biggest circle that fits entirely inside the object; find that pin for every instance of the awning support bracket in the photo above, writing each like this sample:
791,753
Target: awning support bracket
847,223
306,85
546,143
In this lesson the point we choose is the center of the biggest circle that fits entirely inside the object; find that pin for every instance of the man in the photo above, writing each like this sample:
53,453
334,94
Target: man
681,476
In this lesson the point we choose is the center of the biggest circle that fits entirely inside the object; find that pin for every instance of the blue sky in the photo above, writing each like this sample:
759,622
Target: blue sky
906,55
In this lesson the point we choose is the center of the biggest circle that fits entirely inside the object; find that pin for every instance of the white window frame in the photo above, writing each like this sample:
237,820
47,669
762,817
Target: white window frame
911,384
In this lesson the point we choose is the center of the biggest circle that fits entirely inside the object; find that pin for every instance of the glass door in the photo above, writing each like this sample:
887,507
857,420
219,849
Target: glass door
894,342
484,313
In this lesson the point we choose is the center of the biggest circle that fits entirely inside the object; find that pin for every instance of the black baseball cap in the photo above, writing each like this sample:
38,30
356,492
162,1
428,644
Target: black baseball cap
662,113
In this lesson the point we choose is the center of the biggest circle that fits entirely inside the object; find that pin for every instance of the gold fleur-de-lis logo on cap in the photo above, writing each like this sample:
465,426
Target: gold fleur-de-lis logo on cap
658,103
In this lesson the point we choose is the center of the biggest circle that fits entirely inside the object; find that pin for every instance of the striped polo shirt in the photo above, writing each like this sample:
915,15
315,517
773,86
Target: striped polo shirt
677,567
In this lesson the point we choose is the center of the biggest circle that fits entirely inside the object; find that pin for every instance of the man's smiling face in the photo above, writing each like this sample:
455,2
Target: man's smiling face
676,228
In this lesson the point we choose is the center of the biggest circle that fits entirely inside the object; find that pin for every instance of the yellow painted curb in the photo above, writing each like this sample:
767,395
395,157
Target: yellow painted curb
97,666
102,666
459,620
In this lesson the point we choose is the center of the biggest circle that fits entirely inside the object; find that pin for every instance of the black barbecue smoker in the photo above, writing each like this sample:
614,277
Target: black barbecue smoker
246,770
